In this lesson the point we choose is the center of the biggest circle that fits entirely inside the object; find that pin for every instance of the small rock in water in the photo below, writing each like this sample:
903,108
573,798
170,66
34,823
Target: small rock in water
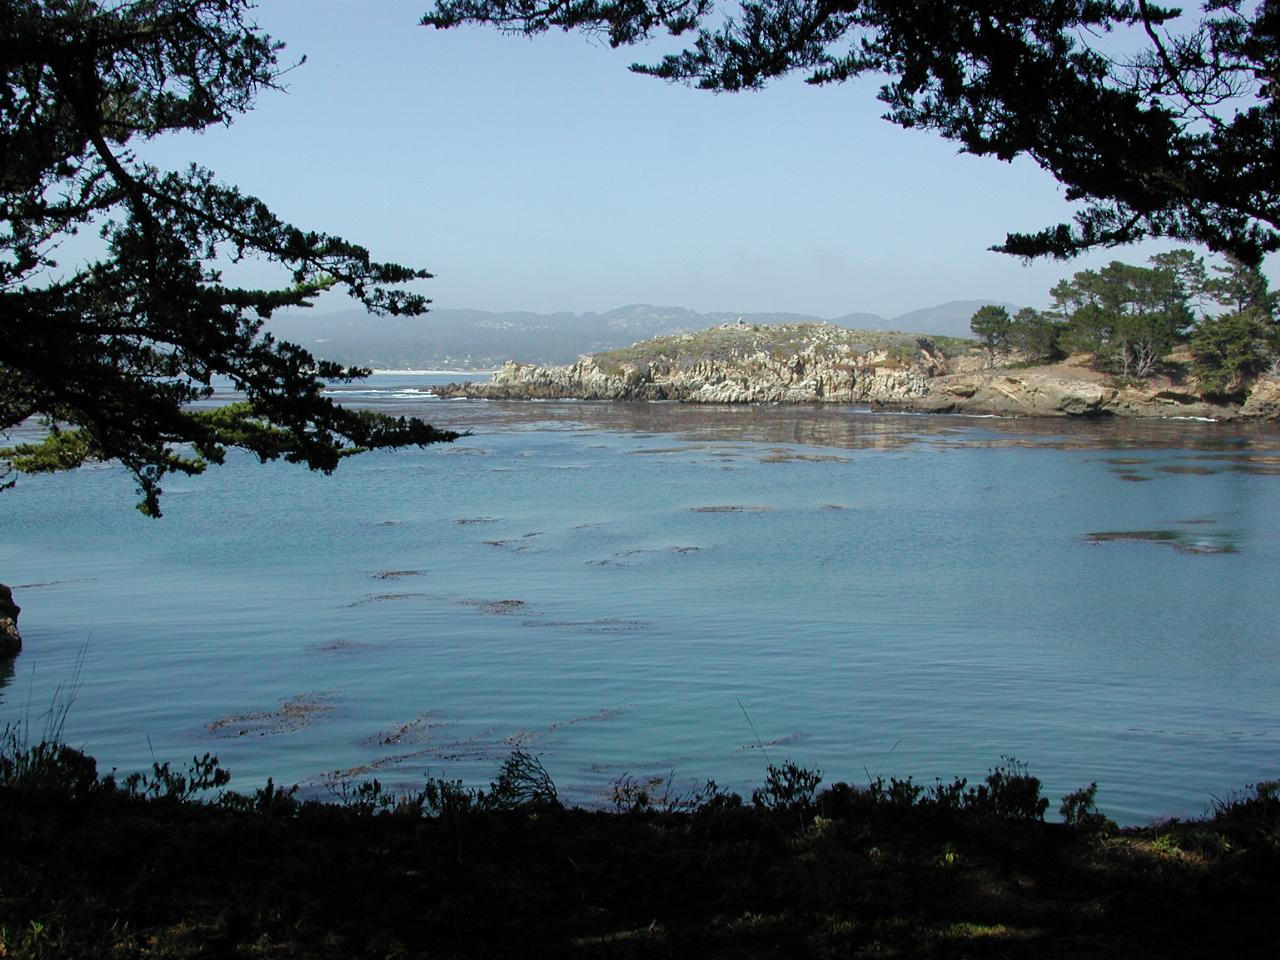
10,639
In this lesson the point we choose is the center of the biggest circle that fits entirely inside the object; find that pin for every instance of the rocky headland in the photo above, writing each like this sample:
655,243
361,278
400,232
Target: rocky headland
823,363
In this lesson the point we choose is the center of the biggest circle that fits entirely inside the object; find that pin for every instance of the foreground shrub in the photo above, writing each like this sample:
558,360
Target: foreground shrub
1252,815
522,782
1009,792
48,766
788,788
1079,810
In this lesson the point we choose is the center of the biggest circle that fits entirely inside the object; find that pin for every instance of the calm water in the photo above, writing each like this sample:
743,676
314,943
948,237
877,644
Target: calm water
618,588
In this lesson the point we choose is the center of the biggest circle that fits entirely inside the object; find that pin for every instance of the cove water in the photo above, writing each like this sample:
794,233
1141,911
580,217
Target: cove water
658,590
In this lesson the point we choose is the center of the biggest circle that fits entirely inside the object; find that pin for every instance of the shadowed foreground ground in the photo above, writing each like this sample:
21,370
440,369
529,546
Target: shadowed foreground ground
92,868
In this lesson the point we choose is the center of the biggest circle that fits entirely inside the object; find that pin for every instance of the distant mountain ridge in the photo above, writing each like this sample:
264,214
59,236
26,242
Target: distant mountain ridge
460,339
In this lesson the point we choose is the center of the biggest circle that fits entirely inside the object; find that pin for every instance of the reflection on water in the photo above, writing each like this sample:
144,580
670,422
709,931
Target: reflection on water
1243,446
6,674
852,428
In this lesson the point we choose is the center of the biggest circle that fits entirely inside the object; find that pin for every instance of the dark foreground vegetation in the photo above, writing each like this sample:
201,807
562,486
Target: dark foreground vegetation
173,865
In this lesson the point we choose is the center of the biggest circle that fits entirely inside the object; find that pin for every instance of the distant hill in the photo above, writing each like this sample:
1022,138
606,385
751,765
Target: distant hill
453,339
950,319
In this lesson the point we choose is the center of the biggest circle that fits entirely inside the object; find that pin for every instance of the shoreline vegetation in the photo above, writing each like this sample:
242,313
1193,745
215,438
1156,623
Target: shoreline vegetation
169,864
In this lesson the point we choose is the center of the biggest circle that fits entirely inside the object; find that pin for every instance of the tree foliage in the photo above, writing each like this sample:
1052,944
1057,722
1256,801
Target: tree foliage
1035,335
1179,138
1029,333
1128,316
1228,349
990,324
1243,339
113,353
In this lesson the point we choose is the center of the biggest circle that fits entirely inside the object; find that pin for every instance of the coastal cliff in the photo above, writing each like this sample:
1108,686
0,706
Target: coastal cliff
822,363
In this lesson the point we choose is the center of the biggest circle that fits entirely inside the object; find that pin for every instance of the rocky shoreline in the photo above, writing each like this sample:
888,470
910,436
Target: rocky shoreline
819,363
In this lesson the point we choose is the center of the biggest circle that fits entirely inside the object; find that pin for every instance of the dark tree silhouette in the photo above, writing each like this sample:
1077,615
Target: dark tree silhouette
1179,138
114,353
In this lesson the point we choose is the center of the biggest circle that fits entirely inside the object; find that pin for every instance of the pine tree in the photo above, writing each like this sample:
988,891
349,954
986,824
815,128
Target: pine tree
113,354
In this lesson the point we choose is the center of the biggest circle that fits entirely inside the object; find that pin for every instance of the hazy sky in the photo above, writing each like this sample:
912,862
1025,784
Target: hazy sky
542,175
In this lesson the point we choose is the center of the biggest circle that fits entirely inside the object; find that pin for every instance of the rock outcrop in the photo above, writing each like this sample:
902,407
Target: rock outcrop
787,363
10,639
1069,390
821,363
1263,401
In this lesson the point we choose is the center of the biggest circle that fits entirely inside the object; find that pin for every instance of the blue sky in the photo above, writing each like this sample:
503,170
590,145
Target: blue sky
542,175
